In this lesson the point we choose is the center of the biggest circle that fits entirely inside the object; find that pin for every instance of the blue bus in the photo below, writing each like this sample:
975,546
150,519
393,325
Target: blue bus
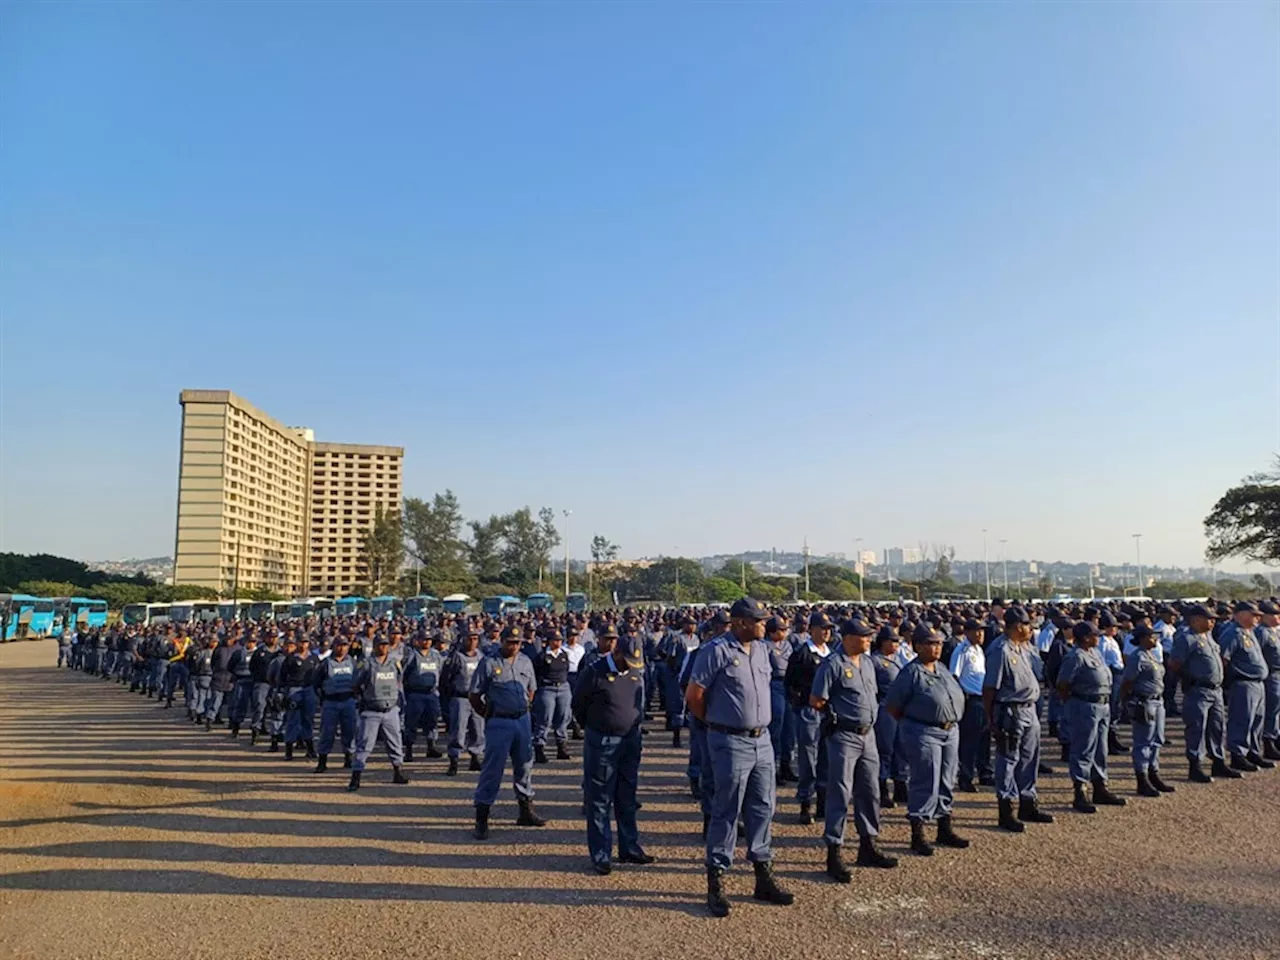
501,605
455,603
28,617
418,607
351,606
82,612
386,607
576,603
539,601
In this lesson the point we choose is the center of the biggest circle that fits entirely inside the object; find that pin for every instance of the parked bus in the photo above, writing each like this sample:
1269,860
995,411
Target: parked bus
157,613
576,603
351,606
204,611
540,601
72,613
418,607
310,607
232,610
386,607
182,611
262,610
455,603
28,617
501,605
134,614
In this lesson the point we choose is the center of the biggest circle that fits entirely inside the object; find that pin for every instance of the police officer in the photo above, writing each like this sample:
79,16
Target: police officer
1197,659
1142,687
377,690
969,666
801,669
201,671
928,704
701,773
334,681
677,648
844,694
552,701
1268,634
893,765
297,675
1010,694
1244,680
729,693
466,726
422,670
175,676
260,687
242,683
1084,687
221,682
782,728
502,689
608,706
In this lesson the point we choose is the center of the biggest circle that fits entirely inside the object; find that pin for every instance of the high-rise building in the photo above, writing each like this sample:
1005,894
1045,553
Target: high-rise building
263,506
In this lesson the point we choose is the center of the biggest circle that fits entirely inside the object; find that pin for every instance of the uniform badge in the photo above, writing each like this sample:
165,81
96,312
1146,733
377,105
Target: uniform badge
1248,644
735,661
848,673
497,670
1013,659
609,677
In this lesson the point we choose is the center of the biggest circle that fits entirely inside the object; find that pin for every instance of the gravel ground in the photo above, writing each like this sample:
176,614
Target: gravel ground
125,832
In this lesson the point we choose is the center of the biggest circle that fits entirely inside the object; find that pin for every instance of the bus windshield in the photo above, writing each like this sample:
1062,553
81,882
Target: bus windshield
134,613
261,611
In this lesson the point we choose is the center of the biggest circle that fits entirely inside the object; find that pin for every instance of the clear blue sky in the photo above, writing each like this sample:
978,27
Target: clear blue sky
715,276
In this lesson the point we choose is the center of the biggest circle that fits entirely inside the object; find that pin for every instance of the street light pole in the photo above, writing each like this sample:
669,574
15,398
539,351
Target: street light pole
986,565
1004,562
857,558
567,514
677,576
1137,546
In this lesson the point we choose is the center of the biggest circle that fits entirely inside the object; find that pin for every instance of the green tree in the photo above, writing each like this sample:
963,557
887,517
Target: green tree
485,549
1045,586
1246,520
434,535
602,550
49,588
722,590
382,549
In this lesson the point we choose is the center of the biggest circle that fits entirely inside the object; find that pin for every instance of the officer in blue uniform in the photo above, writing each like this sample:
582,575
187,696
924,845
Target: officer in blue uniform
422,666
968,665
1197,659
1084,687
607,704
242,691
801,669
928,704
334,680
893,764
259,686
296,676
701,772
1142,687
677,648
377,690
502,689
466,726
551,703
782,728
1268,634
729,693
1244,679
844,694
1010,694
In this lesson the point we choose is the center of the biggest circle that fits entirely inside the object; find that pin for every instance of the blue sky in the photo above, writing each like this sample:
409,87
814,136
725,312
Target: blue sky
715,277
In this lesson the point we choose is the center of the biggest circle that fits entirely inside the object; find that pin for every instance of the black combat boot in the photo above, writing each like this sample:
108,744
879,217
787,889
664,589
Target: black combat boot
1145,787
234,730
1007,820
836,869
453,767
1103,796
1220,769
1271,749
1259,761
397,776
870,855
965,785
1114,746
275,745
433,752
706,824
1242,764
208,725
820,807
575,731
354,783
695,788
899,791
767,888
788,772
528,818
717,902
346,761
1154,775
475,763
288,750
311,749
539,753
918,843
481,831
675,739
253,736
1196,773
1066,753
947,837
1029,812
1053,729
322,764
806,814
408,753
886,796
562,752
1080,802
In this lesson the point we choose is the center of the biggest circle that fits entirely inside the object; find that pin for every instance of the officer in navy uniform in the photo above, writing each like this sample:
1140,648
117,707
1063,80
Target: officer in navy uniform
551,703
466,726
929,702
1244,679
893,765
502,689
782,729
1142,688
608,705
260,687
1010,696
729,692
844,694
422,667
334,681
1084,687
242,691
1268,634
377,690
801,669
676,648
1197,660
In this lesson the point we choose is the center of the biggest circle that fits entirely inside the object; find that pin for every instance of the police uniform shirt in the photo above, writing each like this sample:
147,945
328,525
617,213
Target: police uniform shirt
736,679
1146,673
335,677
1109,648
1085,673
462,670
1242,653
932,697
904,654
608,699
969,667
505,685
421,670
552,667
379,683
1200,657
887,670
779,655
1269,643
1010,672
575,652
849,688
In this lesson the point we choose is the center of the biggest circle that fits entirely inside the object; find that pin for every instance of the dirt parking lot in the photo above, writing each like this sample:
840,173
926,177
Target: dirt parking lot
125,832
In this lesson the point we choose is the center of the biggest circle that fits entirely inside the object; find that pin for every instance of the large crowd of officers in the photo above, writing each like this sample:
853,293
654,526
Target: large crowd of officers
863,708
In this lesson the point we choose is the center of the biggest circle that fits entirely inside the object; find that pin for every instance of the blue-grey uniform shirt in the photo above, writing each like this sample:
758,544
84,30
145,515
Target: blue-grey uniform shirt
1146,673
932,697
421,670
849,688
462,668
736,679
887,671
1010,673
1269,641
1085,673
505,685
1241,651
336,677
1200,657
379,683
779,654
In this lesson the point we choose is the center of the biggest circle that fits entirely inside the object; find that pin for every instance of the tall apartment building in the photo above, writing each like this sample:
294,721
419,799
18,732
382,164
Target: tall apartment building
262,505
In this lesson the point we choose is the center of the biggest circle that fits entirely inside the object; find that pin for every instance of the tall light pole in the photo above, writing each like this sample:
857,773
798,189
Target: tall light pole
1004,562
806,566
986,565
567,514
857,558
677,549
1137,546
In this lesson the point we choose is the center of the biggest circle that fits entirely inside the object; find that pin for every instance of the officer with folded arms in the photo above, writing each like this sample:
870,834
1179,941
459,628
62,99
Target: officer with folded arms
844,694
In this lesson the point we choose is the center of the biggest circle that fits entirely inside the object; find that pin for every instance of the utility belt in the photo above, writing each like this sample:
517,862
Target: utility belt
851,726
1204,684
556,683
753,732
492,715
420,690
1092,697
338,697
973,696
374,708
944,725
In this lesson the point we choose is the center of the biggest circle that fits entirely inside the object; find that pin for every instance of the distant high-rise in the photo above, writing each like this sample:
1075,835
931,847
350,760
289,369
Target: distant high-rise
263,506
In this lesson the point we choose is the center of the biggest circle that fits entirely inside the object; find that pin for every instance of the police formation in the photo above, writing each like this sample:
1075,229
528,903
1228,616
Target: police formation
862,708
